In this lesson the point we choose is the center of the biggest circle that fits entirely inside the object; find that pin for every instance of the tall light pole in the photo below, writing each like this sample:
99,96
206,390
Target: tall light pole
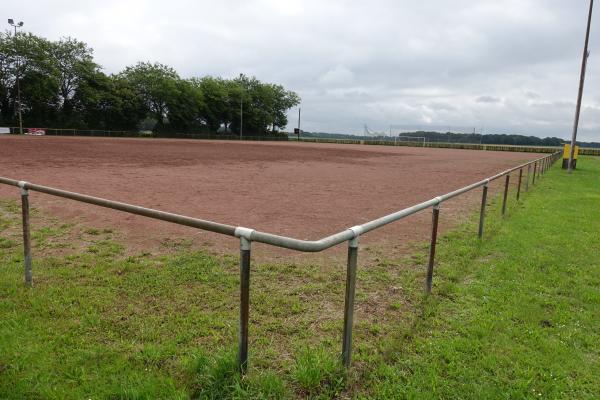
586,54
299,111
19,25
241,79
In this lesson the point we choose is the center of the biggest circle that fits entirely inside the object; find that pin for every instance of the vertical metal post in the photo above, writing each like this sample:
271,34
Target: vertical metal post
349,301
241,117
505,194
299,110
519,184
527,181
245,246
19,25
26,236
482,213
434,227
544,165
534,172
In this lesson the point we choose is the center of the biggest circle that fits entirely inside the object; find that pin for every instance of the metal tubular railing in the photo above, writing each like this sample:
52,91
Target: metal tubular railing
247,236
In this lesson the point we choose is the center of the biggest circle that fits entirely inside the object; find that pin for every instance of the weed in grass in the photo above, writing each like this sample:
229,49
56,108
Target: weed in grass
6,243
318,373
215,376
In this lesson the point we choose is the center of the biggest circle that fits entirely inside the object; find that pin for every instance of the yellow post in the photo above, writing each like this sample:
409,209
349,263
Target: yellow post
566,152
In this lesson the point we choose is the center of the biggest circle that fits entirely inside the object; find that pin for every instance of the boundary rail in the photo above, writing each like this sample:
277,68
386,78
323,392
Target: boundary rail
246,236
387,141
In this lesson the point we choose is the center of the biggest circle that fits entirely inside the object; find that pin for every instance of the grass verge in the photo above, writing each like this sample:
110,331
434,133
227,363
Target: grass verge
510,317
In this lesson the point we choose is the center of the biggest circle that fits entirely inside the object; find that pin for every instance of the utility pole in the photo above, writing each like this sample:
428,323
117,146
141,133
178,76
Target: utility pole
299,110
19,25
242,89
586,54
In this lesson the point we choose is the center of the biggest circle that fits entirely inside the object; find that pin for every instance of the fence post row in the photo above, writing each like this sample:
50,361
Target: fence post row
545,165
245,253
245,247
349,301
507,181
26,234
434,228
543,169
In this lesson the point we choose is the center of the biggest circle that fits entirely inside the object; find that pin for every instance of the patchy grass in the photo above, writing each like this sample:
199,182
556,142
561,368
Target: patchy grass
512,316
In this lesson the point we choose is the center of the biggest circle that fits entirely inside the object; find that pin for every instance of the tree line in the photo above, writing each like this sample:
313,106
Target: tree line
62,86
453,137
505,139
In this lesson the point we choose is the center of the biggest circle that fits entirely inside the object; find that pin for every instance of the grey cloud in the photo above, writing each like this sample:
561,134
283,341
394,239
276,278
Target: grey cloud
488,99
381,62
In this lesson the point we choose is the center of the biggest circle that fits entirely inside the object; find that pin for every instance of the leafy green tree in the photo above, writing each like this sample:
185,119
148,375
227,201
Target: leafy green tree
72,63
156,84
264,105
186,109
108,102
216,107
26,57
62,86
283,100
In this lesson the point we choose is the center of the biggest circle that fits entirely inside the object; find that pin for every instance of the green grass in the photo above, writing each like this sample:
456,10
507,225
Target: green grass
513,316
517,316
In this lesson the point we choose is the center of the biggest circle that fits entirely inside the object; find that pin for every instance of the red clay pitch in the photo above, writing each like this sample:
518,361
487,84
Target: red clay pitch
302,190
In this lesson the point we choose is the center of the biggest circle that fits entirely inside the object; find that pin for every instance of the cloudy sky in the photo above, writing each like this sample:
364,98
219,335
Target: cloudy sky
496,66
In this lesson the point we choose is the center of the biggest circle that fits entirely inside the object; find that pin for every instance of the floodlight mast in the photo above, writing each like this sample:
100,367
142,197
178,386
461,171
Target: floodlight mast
586,54
19,25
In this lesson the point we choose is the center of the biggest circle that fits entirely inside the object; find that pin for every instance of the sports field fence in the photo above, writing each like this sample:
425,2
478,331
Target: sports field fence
408,141
526,175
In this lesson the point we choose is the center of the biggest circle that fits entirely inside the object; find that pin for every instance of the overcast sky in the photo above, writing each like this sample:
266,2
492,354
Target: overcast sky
494,65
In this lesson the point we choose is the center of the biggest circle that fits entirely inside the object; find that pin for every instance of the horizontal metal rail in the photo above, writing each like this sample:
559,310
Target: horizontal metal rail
128,208
355,231
247,236
254,235
264,237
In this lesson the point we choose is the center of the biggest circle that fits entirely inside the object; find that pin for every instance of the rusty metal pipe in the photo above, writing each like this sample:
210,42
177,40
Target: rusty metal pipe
349,301
435,215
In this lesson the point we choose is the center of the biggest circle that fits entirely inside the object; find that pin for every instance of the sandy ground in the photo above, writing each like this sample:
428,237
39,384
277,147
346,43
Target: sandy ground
303,190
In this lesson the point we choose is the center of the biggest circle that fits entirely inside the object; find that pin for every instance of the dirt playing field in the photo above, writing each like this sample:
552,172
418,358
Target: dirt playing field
301,190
